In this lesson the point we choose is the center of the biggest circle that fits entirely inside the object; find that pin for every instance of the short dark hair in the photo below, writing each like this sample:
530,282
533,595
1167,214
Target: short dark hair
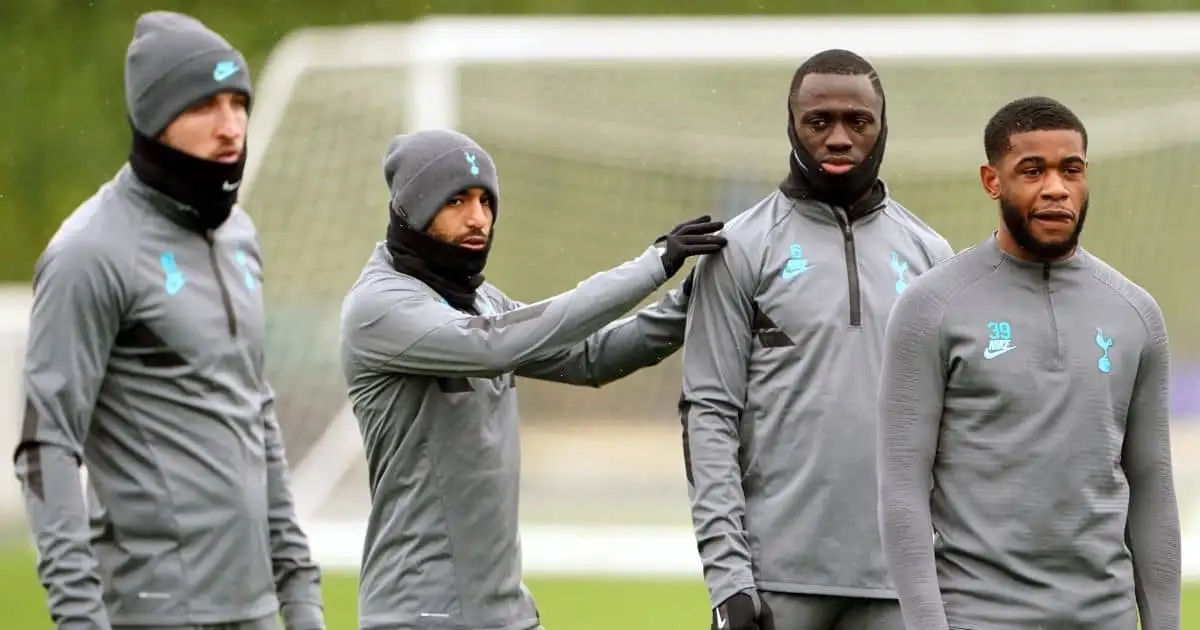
1031,113
836,61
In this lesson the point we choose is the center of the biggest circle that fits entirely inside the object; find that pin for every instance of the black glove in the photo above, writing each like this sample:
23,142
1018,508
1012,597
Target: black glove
691,238
737,613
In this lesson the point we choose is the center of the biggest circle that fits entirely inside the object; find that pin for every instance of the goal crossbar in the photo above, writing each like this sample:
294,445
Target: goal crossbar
431,49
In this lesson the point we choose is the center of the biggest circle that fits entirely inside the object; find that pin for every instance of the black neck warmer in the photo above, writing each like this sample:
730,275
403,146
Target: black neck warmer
453,272
208,188
858,191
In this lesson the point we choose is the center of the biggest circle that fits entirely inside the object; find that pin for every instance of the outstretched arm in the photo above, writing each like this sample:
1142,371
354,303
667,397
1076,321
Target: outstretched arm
1152,530
716,350
77,306
911,394
405,331
297,577
619,349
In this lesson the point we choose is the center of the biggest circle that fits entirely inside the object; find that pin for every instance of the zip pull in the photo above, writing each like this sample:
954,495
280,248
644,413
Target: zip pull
843,221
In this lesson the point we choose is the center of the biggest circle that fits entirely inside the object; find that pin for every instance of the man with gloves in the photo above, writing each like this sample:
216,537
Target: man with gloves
430,353
781,362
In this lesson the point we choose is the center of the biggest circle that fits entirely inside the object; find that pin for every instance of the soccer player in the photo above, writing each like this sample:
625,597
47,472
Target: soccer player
1024,453
781,356
430,352
145,362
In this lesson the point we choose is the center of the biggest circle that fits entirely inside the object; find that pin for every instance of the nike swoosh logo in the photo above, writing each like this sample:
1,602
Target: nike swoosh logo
790,272
221,75
230,187
992,354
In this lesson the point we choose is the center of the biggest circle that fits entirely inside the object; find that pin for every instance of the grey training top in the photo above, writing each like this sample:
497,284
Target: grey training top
781,361
1024,454
434,392
145,362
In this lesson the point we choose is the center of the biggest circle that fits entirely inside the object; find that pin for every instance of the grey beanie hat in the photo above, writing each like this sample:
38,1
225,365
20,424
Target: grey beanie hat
174,61
425,169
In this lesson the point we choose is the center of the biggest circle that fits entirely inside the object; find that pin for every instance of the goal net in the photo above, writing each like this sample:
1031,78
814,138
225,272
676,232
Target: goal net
606,133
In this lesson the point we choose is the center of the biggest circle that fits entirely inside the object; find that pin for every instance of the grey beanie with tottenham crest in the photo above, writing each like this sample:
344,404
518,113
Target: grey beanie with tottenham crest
427,168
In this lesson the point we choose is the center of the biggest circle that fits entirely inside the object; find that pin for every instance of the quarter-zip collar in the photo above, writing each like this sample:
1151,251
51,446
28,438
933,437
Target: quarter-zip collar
178,212
1050,279
1078,260
823,212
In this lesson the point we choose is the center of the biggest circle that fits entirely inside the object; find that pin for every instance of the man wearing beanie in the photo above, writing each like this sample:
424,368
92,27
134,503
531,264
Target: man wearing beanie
145,362
784,354
430,352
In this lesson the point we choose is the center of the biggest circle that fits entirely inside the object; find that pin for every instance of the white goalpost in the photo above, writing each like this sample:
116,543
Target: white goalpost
640,120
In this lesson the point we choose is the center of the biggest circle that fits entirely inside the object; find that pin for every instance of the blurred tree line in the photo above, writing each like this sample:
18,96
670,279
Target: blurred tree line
63,101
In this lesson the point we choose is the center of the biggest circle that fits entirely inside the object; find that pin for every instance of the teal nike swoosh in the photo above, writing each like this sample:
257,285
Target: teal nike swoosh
790,272
223,74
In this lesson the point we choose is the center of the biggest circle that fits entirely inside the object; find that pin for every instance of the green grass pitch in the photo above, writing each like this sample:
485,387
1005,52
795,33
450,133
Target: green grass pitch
567,604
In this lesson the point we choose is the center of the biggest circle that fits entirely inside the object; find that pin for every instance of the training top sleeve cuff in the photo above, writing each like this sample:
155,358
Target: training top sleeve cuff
652,260
732,587
303,616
